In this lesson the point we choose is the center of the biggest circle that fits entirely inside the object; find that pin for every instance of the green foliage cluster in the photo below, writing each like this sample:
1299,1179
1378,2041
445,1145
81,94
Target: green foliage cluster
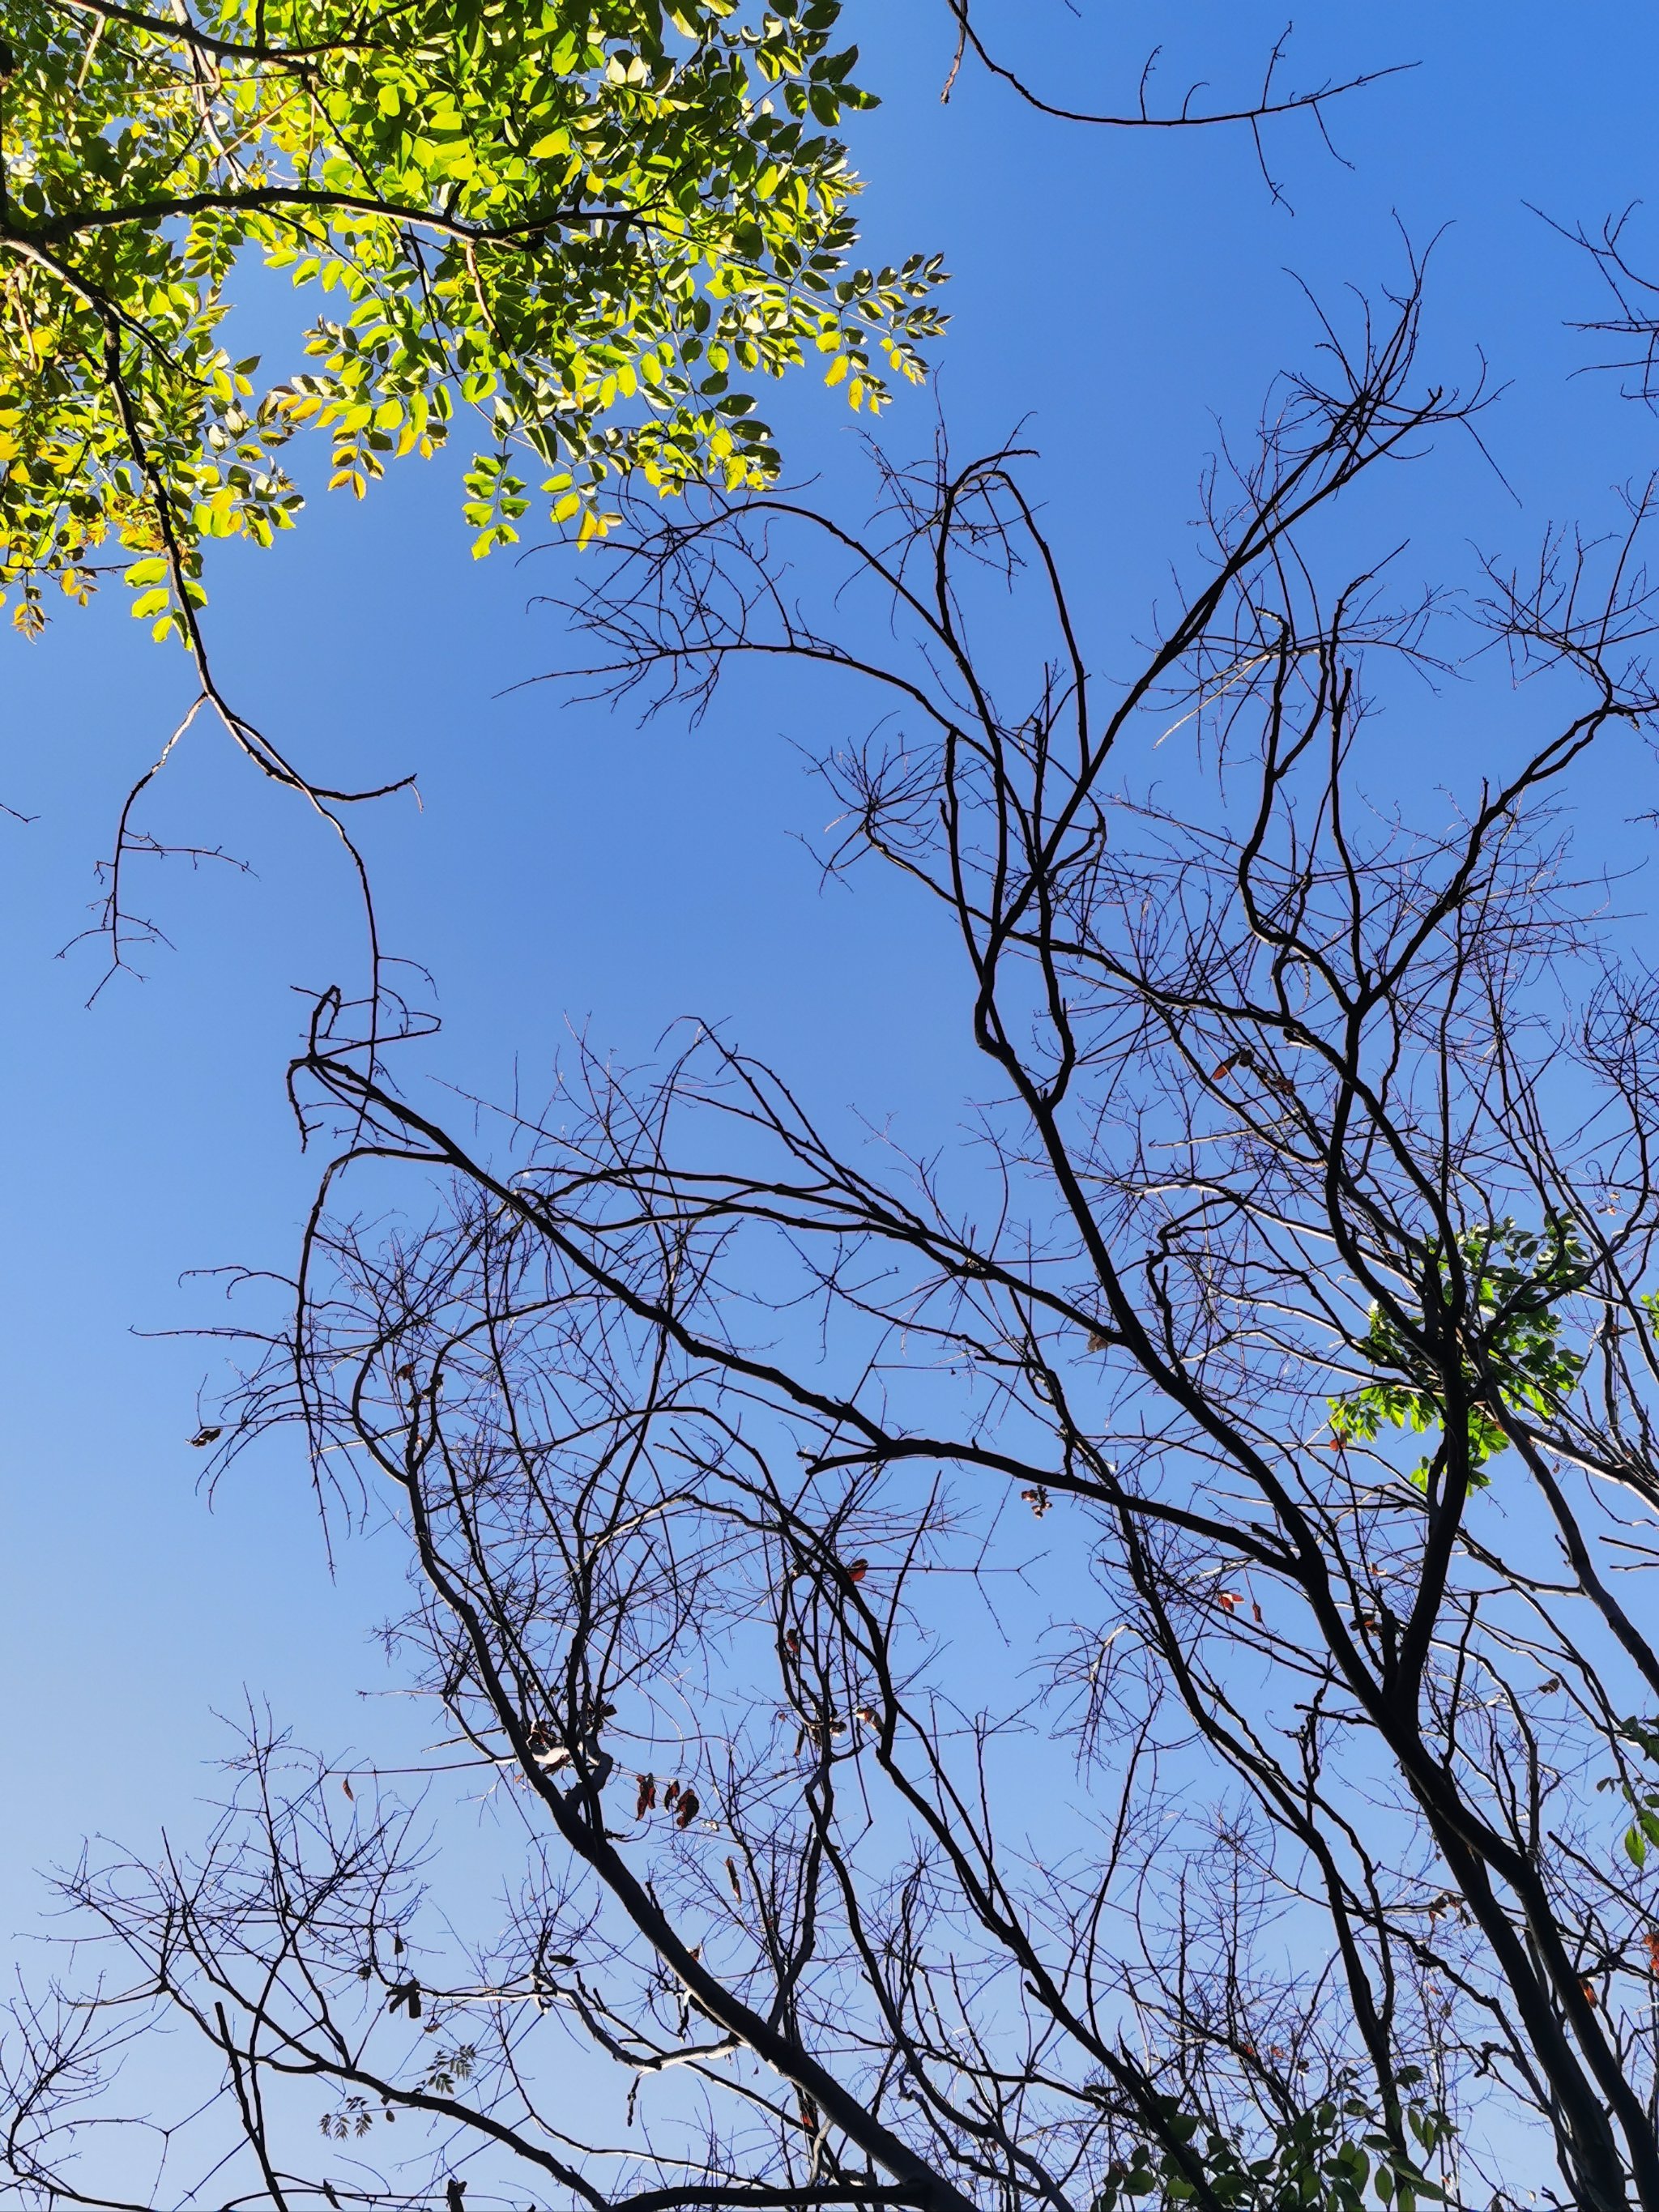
1644,1802
1326,2158
599,222
1508,1343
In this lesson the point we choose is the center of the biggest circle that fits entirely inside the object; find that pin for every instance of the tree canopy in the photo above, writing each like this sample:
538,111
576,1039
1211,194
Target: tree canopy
596,222
1063,1641
978,1702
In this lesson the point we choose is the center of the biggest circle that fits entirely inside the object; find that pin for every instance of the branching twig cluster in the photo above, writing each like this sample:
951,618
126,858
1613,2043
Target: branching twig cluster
1098,1658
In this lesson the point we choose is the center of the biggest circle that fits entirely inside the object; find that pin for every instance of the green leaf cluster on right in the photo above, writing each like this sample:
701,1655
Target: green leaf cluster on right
1509,1284
1333,2157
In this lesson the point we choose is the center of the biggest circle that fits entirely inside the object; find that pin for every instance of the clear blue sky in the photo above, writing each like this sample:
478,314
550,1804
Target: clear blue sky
1117,293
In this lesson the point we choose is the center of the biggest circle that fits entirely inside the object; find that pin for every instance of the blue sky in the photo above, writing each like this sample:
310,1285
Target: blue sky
1116,293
